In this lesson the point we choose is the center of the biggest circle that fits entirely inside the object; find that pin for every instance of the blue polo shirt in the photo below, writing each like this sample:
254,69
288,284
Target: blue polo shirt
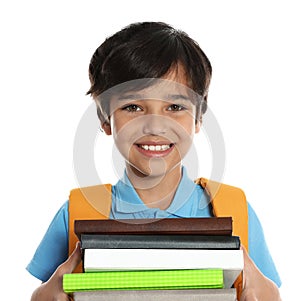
189,201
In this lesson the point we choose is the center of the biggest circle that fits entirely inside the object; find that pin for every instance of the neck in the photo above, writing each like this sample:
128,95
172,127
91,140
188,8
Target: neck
156,191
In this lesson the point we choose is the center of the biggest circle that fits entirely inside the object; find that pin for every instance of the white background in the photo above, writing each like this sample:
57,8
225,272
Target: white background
45,51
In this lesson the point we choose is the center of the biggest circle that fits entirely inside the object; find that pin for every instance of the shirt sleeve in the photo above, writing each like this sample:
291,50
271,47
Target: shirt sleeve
53,249
258,249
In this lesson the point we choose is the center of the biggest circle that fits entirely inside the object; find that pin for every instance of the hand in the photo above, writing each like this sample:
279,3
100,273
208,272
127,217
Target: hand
52,289
257,287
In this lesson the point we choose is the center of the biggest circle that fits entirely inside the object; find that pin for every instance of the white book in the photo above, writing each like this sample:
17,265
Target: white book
155,295
230,261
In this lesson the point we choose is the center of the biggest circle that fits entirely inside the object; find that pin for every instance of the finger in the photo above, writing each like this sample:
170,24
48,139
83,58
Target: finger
62,297
247,259
251,273
72,262
74,259
247,270
248,295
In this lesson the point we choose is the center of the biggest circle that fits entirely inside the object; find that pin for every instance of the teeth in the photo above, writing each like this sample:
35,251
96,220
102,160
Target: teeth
156,148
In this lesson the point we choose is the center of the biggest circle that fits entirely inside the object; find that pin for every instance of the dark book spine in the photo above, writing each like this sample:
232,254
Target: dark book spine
199,226
106,241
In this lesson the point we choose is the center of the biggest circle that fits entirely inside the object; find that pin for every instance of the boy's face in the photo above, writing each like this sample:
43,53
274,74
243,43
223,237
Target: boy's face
153,128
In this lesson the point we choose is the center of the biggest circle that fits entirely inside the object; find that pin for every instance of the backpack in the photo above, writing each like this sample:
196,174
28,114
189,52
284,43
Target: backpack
226,201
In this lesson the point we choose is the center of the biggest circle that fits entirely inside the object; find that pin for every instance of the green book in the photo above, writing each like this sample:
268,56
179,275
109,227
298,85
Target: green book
143,279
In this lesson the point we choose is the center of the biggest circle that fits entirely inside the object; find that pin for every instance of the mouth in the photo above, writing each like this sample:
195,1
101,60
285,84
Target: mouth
155,147
155,150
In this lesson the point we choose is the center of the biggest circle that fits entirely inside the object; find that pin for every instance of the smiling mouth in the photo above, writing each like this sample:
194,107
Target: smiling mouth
156,147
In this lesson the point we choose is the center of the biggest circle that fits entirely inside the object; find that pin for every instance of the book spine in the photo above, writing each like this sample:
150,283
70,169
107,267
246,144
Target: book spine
199,226
154,295
103,241
124,280
161,259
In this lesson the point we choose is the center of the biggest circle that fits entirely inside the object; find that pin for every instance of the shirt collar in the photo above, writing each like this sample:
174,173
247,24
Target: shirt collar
128,201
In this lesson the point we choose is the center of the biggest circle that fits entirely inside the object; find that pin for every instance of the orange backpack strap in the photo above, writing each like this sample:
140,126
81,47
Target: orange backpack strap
92,202
229,201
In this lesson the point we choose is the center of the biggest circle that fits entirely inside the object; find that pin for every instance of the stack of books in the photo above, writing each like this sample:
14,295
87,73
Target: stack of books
156,259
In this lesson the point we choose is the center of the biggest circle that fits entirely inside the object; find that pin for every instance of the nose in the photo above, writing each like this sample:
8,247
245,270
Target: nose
154,125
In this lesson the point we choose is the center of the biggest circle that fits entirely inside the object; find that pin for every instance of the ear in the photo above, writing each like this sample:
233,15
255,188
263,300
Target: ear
106,127
198,125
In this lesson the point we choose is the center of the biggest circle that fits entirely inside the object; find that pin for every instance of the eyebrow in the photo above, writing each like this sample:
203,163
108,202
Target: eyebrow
140,96
178,96
129,96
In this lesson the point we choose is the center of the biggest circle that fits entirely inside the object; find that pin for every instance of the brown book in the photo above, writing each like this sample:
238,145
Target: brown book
199,226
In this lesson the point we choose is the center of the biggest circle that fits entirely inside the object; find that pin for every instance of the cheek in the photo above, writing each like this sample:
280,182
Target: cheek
186,134
125,134
185,145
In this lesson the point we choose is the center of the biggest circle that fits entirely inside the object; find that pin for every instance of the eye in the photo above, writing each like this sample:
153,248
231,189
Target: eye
176,107
132,108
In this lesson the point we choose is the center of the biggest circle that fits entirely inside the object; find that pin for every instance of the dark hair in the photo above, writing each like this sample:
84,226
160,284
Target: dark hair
148,50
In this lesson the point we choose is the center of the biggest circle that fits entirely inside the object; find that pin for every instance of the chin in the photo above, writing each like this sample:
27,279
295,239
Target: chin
155,169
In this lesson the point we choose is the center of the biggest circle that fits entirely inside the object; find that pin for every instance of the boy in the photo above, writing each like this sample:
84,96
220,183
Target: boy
150,83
